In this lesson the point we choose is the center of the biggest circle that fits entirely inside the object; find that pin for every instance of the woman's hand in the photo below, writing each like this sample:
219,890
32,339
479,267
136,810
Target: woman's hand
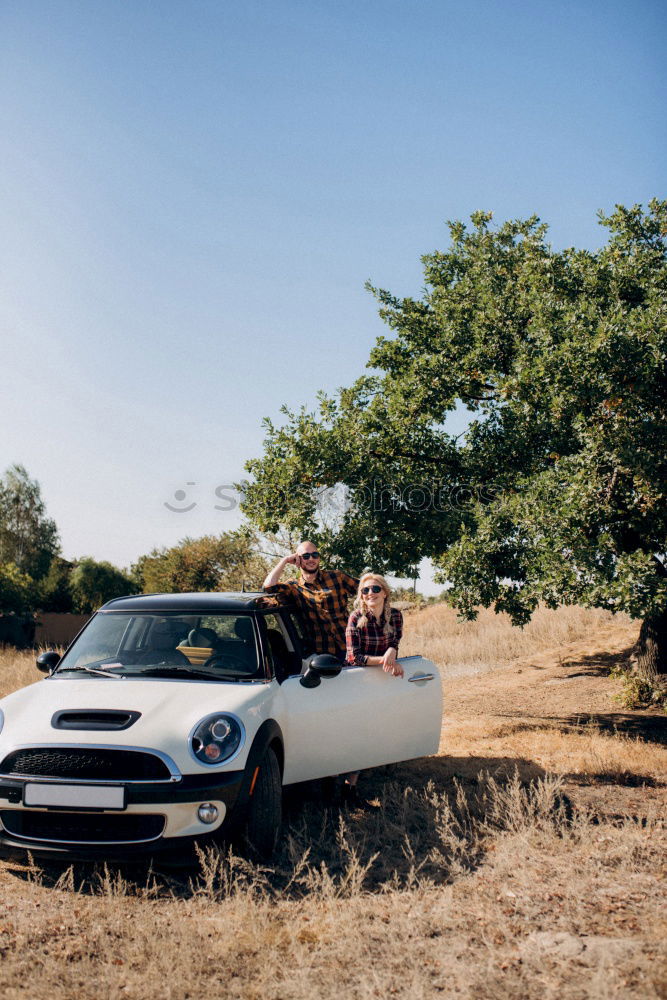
390,664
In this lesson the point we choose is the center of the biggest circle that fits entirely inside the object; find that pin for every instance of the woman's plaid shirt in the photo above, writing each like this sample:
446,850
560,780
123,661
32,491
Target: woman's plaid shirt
371,639
324,607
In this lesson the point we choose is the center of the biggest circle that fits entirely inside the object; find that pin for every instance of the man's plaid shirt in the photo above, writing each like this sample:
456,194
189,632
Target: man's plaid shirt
324,607
371,640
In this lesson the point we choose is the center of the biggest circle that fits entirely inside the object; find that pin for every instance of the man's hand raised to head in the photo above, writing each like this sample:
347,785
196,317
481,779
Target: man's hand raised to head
309,566
274,575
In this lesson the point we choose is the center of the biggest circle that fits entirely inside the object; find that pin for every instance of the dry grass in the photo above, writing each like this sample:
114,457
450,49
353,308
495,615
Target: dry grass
582,753
498,890
526,860
17,669
492,641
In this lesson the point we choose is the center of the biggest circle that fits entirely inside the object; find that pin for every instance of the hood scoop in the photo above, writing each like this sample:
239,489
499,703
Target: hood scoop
87,719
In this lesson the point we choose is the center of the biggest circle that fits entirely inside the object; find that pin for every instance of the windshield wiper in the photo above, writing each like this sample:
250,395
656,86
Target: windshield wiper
166,669
100,671
171,668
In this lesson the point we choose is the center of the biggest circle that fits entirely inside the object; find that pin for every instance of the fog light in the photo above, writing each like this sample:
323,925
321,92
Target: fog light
207,812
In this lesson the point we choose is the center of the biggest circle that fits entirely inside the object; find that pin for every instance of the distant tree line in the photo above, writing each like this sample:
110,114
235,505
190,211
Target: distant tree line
34,576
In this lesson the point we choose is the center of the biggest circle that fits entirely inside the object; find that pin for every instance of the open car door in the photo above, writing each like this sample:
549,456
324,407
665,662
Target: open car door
361,718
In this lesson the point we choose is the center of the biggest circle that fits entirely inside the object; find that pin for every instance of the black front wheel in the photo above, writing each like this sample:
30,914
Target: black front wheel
265,807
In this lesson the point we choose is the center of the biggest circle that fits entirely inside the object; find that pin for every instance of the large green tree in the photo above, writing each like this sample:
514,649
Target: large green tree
92,583
228,561
556,492
28,538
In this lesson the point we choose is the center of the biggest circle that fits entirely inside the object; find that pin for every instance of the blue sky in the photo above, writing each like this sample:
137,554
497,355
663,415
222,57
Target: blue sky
193,194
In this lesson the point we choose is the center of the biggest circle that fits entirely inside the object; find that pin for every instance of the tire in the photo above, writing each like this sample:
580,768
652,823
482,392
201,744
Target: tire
264,813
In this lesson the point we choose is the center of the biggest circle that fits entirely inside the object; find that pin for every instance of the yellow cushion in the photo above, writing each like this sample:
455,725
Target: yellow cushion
197,654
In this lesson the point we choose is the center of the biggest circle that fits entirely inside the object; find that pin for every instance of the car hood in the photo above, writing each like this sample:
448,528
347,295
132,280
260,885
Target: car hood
169,710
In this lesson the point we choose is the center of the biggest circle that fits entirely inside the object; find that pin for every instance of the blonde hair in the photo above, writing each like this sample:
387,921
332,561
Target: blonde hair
360,604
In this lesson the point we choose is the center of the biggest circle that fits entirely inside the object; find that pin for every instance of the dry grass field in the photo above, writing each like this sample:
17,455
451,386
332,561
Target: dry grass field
526,860
490,642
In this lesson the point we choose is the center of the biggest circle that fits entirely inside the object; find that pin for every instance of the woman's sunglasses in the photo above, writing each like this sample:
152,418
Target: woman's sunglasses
371,590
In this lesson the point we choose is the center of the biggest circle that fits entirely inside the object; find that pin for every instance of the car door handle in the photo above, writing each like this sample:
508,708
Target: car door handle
421,677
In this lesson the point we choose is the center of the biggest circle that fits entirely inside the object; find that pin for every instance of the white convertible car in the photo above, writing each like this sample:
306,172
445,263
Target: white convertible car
179,717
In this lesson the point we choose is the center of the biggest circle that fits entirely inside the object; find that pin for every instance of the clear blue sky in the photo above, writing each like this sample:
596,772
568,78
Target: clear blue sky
194,192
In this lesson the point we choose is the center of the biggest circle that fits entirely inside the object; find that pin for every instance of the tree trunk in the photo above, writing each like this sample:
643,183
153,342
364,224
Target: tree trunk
652,649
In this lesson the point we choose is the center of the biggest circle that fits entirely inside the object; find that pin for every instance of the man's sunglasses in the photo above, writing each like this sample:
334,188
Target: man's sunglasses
371,590
310,555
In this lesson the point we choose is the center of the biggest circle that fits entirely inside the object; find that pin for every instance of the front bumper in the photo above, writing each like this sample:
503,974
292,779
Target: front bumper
156,817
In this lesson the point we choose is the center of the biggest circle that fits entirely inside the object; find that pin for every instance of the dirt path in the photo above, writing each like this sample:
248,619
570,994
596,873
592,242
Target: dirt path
556,712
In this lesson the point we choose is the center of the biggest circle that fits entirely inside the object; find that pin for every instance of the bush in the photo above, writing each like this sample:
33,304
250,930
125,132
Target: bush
93,583
17,589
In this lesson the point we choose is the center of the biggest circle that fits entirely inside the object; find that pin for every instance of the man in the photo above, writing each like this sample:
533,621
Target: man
321,594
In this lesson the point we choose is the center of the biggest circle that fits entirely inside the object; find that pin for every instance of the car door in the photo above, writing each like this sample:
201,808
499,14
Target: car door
361,718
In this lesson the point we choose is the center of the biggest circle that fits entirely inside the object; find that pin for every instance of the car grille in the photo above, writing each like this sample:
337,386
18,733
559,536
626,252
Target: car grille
82,828
85,764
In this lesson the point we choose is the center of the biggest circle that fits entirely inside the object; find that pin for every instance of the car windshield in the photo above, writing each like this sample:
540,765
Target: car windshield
124,643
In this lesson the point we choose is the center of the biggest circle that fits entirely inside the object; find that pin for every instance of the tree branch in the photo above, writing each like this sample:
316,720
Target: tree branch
415,458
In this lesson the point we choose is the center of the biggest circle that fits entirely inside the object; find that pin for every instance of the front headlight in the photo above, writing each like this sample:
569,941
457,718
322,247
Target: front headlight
216,738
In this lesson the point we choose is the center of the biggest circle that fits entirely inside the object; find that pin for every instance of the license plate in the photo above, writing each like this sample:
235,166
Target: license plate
74,796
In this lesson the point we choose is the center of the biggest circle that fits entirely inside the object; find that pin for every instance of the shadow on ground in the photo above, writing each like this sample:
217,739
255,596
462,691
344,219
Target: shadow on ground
647,726
423,820
597,664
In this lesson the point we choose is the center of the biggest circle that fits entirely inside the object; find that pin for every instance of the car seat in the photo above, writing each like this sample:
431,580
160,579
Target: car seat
162,646
203,638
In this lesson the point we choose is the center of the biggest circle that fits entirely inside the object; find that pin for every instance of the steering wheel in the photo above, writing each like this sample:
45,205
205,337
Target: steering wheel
229,661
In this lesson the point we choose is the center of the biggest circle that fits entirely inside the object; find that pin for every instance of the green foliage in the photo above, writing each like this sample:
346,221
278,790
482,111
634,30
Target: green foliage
93,583
556,491
28,538
636,692
17,590
213,563
54,592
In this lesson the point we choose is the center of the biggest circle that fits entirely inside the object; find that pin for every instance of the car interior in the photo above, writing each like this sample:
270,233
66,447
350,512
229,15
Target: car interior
231,645
286,659
223,641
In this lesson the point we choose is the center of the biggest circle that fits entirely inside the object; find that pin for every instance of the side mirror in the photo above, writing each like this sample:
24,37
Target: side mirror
47,662
319,666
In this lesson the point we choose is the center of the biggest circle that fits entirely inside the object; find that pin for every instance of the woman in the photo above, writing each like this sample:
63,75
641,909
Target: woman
374,628
373,632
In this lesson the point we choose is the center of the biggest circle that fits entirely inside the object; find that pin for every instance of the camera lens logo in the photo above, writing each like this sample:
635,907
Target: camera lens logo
180,496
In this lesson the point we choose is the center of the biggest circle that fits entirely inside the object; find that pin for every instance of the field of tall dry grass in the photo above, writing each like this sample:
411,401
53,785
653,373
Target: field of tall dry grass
460,647
17,669
493,870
